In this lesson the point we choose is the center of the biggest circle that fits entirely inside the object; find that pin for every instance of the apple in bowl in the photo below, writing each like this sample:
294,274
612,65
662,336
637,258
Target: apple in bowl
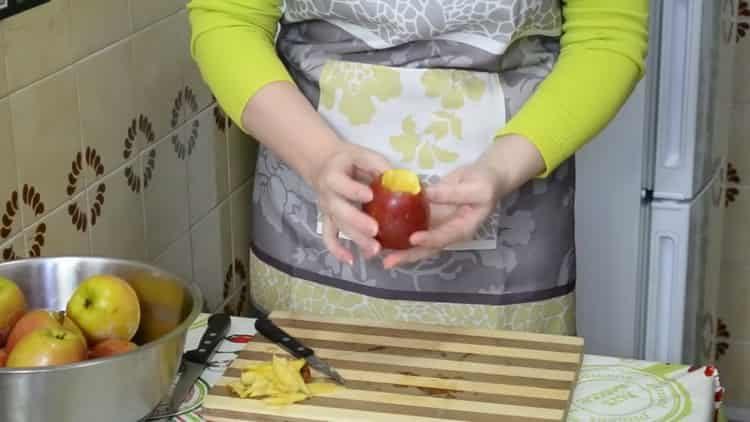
38,319
12,307
399,206
105,307
46,347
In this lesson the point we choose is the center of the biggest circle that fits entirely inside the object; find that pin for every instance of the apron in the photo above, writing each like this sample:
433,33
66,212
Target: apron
427,86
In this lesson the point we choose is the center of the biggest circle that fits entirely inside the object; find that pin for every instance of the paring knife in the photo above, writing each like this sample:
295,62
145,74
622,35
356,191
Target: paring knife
194,362
272,332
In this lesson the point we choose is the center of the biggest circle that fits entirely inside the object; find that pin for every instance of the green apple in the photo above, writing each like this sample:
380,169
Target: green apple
12,307
105,307
47,347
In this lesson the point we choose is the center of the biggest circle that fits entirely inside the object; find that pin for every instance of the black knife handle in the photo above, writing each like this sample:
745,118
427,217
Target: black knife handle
272,332
218,326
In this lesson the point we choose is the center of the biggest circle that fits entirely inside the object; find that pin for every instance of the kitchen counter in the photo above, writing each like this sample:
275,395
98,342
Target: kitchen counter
608,389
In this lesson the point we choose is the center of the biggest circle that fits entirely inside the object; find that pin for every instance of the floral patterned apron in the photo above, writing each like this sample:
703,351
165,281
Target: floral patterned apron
427,84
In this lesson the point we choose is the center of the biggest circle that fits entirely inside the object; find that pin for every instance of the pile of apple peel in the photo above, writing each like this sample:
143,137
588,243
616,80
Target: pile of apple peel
279,382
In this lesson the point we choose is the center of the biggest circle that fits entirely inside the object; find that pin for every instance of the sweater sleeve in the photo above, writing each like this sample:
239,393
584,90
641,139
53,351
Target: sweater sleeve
232,41
602,57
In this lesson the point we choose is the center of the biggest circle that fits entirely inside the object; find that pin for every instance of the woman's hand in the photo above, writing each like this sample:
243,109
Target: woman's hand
342,185
464,198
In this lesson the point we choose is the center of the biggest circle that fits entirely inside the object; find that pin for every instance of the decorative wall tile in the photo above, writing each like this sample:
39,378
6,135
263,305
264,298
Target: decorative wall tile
37,42
243,151
739,140
176,258
146,12
96,24
10,221
736,229
212,254
3,75
47,142
13,248
193,77
116,215
734,297
158,74
166,196
241,231
204,147
108,114
63,232
733,368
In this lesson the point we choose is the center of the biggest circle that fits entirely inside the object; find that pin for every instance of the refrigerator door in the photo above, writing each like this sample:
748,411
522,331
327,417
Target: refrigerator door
683,277
695,54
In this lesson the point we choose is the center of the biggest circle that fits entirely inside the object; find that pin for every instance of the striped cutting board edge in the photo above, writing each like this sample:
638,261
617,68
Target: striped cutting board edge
414,372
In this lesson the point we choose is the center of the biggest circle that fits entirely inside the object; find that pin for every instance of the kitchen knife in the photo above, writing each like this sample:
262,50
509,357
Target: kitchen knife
195,361
272,332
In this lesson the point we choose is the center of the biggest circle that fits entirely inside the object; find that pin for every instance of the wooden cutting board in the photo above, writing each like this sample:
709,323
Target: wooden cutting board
416,373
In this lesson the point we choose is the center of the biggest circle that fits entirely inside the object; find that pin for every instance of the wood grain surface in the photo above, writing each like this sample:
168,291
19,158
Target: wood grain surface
414,372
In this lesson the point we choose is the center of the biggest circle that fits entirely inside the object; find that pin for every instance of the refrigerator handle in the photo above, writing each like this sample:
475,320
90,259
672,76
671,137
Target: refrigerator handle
665,322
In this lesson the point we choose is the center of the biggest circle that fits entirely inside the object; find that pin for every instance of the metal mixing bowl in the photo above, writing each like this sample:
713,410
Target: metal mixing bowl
120,388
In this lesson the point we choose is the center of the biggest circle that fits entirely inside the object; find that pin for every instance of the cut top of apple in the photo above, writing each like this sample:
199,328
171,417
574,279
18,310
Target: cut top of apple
401,180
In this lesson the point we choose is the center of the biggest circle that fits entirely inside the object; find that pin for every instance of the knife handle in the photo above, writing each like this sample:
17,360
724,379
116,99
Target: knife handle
272,332
218,326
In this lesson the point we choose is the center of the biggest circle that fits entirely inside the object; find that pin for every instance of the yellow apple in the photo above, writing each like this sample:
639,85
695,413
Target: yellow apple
47,347
12,307
105,307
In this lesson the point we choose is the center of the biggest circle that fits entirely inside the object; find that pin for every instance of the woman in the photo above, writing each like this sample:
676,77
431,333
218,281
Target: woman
486,100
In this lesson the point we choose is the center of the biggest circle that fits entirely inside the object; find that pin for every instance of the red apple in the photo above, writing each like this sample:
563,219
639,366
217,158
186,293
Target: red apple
111,347
12,307
399,207
41,318
105,307
3,357
47,347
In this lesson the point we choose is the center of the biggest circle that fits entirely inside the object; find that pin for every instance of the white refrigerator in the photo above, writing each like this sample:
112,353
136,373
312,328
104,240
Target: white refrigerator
650,198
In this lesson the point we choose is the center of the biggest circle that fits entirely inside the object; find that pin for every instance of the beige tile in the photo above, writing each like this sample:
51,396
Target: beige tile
158,74
37,42
739,148
10,220
108,119
13,248
47,141
96,24
734,369
146,12
65,231
211,239
3,75
733,299
166,196
742,67
116,216
204,146
737,226
193,77
243,152
176,258
241,235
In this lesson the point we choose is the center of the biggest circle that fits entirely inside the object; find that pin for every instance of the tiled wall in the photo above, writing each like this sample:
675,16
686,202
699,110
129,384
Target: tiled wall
733,350
111,145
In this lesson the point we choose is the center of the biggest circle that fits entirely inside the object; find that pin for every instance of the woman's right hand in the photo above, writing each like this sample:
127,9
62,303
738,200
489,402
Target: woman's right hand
342,184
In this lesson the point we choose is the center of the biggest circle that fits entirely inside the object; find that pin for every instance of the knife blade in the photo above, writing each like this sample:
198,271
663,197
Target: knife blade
271,331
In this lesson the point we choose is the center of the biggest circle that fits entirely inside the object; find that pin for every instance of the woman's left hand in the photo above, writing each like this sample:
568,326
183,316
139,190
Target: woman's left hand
464,198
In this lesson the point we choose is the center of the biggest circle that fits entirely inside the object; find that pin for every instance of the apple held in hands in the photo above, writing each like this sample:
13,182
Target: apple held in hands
105,307
12,307
47,347
399,206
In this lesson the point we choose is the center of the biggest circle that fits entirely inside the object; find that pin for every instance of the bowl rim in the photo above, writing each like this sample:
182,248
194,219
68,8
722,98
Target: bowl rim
192,286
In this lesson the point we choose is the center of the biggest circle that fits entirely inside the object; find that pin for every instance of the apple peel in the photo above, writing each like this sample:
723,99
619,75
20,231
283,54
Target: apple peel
280,382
